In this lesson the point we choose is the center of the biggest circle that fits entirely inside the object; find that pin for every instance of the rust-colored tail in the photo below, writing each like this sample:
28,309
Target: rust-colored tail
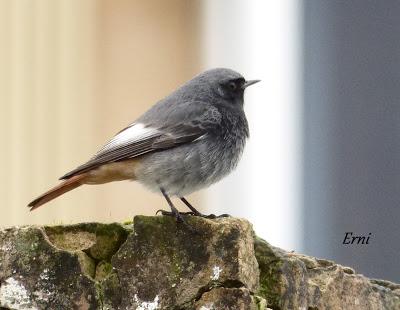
66,186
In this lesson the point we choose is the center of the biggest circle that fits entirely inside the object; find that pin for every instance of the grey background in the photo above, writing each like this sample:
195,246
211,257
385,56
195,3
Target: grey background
352,132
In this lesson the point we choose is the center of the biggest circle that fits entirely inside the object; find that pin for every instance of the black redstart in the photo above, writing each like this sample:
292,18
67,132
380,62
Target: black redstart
185,142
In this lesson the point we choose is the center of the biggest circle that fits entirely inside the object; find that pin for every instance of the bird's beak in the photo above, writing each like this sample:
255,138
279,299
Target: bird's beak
250,82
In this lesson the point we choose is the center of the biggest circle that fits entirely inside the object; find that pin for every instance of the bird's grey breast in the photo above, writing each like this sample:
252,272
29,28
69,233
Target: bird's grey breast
221,151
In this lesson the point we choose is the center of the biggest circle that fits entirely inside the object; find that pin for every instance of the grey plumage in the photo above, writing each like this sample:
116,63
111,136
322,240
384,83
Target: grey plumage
186,141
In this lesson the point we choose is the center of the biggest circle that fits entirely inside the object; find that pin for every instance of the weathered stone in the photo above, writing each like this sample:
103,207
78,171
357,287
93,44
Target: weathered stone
99,241
295,281
35,275
226,298
162,265
169,265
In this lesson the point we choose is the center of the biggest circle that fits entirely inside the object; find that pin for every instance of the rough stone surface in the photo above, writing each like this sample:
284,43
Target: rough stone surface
295,281
157,264
34,274
172,265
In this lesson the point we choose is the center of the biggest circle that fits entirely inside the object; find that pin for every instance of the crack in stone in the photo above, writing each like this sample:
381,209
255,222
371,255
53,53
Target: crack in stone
212,285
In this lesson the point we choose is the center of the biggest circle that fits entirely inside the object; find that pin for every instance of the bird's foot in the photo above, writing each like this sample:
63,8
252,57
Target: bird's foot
206,216
213,216
195,212
179,217
170,213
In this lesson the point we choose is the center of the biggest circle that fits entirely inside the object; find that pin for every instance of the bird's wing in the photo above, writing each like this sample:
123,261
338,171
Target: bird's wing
138,138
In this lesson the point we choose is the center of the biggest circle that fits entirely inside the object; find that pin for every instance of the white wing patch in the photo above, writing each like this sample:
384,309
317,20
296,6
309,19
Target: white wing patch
133,133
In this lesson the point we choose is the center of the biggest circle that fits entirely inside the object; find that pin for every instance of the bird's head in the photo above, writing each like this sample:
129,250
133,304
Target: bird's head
225,84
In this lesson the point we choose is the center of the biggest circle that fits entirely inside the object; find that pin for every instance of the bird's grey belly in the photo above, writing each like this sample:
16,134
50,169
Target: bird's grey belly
187,168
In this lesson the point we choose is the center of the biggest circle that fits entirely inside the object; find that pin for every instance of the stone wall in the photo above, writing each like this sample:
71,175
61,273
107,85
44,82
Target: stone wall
156,264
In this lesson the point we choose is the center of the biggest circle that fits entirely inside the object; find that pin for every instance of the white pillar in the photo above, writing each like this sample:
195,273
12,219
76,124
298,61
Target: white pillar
261,39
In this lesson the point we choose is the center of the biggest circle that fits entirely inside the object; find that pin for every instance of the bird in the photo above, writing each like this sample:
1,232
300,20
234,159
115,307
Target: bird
185,142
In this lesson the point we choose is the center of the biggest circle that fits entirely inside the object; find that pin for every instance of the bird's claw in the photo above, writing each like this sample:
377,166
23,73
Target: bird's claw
179,218
211,216
206,216
169,213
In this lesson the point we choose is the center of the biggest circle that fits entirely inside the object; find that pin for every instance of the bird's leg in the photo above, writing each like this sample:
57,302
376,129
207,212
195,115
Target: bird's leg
174,211
193,209
195,212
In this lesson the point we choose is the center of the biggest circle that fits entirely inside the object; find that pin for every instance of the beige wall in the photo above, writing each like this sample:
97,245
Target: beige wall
72,74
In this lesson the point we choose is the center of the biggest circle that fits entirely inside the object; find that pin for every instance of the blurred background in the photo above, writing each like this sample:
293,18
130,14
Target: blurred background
323,155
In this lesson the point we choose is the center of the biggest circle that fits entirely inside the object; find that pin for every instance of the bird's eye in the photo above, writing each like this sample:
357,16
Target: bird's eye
232,85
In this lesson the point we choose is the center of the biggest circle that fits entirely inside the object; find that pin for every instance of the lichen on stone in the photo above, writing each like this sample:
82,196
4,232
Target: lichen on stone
146,305
14,295
216,272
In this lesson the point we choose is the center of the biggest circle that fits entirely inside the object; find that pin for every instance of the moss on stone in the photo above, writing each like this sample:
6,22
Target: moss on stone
111,291
29,243
93,244
270,272
100,240
88,265
162,233
73,237
127,222
103,269
261,303
109,238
